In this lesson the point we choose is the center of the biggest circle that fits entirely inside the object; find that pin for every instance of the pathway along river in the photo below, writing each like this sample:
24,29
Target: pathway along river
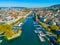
28,36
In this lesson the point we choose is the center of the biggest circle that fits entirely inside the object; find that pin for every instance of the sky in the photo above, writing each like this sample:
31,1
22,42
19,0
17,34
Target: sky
28,3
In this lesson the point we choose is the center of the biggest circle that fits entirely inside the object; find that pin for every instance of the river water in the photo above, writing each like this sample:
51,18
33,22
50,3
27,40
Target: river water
28,37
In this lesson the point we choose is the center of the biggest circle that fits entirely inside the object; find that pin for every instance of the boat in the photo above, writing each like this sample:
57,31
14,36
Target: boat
39,28
0,41
20,24
40,35
15,35
36,31
41,38
1,33
34,22
37,25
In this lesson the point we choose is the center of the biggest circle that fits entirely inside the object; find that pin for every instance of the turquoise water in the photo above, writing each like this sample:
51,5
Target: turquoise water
28,36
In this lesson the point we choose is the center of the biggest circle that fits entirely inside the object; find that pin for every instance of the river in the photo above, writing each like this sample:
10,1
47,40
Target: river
28,36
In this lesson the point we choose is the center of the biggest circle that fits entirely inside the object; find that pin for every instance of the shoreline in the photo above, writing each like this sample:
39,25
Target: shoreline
15,36
18,34
24,17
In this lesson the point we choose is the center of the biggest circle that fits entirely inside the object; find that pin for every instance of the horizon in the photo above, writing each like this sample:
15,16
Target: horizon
28,3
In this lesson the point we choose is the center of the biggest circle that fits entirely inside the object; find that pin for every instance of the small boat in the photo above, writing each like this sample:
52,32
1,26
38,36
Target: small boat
0,41
39,28
1,32
36,31
37,25
41,38
20,24
34,22
2,35
40,35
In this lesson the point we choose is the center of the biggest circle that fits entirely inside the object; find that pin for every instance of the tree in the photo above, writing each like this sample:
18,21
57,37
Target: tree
5,27
58,39
59,26
54,27
9,33
48,29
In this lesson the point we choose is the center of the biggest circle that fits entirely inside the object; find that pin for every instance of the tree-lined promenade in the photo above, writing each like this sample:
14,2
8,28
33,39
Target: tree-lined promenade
20,18
50,28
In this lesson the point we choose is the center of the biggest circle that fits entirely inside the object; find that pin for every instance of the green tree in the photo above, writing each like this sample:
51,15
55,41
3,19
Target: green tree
9,33
58,39
54,27
5,27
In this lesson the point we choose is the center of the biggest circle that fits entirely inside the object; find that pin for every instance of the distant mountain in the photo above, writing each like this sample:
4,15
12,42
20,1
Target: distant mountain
15,7
19,7
57,5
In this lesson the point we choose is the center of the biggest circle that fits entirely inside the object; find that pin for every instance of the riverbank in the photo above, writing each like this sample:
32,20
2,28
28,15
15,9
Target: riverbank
27,14
20,19
44,25
17,22
15,35
52,38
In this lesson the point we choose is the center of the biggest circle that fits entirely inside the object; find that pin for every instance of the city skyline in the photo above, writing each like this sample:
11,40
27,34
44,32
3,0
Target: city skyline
28,3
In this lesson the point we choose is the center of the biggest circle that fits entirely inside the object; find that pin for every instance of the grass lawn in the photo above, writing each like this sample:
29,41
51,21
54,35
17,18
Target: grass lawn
19,20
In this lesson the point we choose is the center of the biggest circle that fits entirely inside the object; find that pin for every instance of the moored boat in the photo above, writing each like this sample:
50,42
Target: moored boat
0,41
41,38
20,24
